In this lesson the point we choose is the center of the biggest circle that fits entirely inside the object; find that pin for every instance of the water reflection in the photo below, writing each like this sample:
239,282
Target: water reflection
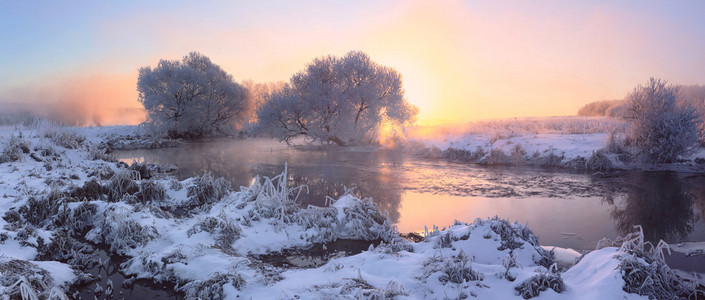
658,201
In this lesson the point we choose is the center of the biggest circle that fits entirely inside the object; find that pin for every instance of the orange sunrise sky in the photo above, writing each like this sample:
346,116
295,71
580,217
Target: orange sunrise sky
460,60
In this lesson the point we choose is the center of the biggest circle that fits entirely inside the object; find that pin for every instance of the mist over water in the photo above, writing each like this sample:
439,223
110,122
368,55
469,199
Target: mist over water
566,208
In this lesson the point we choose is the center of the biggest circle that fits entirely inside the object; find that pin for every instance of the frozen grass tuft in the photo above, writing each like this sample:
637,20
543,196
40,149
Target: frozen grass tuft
207,189
276,200
91,190
122,183
14,149
64,138
121,232
23,280
224,229
457,270
539,283
99,152
646,273
38,211
211,288
146,171
63,248
151,190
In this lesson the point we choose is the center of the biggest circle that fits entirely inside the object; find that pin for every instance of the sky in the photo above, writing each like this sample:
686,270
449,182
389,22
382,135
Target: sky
460,60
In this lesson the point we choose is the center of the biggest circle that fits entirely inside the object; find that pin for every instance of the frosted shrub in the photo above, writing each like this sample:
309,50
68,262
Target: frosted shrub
599,161
517,155
206,189
122,183
458,154
495,157
659,129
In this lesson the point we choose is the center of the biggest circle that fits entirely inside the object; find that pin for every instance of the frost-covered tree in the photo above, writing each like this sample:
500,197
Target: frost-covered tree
694,96
190,98
341,100
659,129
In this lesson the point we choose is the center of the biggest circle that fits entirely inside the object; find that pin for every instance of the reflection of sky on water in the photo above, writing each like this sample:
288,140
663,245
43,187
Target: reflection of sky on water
567,209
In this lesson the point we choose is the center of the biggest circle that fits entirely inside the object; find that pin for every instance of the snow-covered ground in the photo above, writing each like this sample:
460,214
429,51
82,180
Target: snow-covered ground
61,195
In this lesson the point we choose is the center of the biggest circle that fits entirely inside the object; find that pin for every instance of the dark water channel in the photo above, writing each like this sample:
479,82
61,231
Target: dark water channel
565,208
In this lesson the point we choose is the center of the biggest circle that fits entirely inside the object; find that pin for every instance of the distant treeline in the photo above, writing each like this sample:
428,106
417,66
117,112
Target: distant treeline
598,108
693,95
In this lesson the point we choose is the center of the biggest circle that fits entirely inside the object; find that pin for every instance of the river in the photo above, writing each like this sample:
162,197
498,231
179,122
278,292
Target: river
570,209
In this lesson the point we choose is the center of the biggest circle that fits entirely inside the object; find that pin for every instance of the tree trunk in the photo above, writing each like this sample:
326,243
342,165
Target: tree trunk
337,141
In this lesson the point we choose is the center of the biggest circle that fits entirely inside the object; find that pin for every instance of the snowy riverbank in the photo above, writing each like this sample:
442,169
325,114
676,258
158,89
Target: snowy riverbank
62,196
566,142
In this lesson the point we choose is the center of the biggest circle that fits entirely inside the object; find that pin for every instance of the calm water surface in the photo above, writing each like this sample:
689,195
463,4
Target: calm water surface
566,209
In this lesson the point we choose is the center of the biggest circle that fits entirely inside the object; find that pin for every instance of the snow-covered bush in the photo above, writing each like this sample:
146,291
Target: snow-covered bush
190,98
659,129
338,100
